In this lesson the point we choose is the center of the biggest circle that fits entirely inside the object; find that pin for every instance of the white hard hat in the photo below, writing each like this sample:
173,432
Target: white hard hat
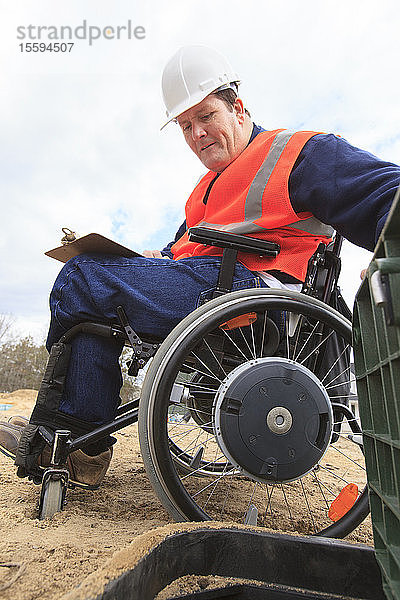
190,75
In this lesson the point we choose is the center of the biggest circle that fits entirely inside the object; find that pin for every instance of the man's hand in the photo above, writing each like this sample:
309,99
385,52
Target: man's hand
153,254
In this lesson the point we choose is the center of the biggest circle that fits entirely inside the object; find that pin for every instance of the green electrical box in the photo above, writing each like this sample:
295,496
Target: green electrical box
376,336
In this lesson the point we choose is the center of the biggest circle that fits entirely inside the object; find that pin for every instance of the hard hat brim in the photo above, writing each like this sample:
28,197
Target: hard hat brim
184,106
194,100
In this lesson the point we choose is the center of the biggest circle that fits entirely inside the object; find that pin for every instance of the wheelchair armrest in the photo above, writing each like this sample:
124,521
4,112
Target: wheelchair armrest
242,243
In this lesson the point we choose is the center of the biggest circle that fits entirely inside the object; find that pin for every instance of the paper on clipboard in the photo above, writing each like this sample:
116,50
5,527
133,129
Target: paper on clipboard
93,242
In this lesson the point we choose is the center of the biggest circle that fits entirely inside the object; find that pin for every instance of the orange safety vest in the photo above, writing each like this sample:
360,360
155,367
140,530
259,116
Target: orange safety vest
251,197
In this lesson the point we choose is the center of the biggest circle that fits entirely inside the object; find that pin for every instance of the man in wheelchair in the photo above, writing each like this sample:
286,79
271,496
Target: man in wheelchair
284,192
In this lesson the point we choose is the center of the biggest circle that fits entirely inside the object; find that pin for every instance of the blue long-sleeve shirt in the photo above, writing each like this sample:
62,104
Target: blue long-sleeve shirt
343,186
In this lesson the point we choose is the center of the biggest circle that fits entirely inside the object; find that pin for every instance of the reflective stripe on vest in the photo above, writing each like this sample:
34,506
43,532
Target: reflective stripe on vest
253,207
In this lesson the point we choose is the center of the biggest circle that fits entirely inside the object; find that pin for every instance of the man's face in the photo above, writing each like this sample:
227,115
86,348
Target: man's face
214,132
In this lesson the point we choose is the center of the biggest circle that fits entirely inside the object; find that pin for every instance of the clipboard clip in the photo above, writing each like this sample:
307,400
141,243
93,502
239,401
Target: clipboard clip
69,236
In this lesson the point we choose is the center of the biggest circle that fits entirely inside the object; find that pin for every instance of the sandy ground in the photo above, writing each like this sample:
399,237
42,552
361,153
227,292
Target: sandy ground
46,559
57,555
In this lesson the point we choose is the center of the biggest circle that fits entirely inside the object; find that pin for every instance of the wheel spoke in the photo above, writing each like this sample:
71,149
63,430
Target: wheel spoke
334,475
196,370
201,387
308,506
316,348
247,518
322,484
348,457
246,342
215,482
321,490
297,330
286,501
269,490
190,430
235,344
227,495
253,340
196,445
345,349
296,356
211,374
287,342
205,464
263,334
192,447
215,358
213,489
331,387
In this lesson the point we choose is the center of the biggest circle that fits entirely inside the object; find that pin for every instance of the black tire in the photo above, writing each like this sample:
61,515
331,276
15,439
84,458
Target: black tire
227,493
52,498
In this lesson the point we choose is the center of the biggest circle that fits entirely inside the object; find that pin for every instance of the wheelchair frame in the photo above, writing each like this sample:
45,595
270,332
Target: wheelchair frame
321,281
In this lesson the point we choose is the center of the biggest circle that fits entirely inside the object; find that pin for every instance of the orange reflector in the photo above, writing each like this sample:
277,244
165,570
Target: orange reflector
343,502
240,321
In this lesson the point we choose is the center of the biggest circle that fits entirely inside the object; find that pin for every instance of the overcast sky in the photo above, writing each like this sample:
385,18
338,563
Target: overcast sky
81,145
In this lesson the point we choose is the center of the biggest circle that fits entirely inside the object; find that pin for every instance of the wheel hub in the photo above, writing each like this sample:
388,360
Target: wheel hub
272,419
279,420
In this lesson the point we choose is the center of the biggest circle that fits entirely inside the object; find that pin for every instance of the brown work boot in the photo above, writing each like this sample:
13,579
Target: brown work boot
18,420
88,471
9,438
84,471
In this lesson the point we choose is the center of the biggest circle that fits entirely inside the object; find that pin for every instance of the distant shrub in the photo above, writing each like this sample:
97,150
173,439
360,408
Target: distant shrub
23,362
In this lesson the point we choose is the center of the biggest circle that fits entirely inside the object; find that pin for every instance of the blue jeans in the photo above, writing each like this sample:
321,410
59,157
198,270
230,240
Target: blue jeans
156,295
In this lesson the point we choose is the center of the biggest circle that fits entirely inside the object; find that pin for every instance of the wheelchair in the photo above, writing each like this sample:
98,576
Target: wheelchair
244,412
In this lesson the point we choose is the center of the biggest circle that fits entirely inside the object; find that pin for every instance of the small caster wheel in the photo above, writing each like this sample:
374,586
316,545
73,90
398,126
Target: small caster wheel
52,496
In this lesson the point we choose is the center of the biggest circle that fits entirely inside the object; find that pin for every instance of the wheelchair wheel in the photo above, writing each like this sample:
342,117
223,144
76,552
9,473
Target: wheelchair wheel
262,438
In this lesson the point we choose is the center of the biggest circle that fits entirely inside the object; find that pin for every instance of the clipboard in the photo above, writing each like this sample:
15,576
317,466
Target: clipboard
92,242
